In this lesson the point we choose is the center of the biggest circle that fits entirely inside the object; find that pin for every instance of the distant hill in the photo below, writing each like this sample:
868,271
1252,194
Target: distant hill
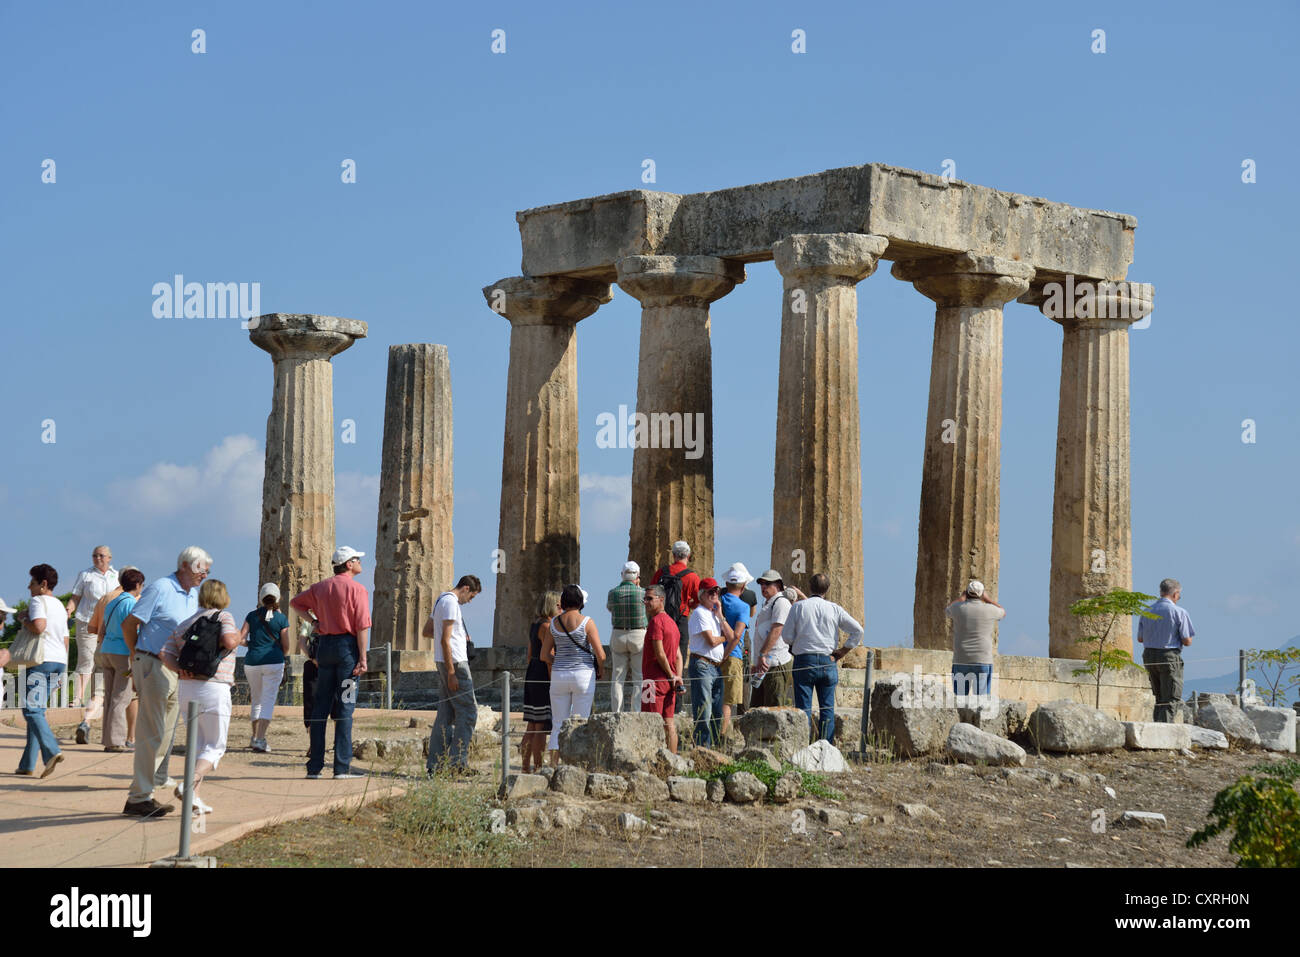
1226,682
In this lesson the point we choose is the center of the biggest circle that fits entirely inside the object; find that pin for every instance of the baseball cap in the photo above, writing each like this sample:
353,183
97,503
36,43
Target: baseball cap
272,589
631,570
771,577
345,554
708,584
738,574
6,610
975,588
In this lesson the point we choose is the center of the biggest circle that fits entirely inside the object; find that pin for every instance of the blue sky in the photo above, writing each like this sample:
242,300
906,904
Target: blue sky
225,166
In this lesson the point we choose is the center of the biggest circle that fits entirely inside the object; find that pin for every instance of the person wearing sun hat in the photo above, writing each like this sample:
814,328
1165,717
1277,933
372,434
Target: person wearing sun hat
266,633
770,656
709,633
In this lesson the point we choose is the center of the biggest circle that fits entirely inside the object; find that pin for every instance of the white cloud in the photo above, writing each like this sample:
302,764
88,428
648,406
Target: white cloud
226,485
606,501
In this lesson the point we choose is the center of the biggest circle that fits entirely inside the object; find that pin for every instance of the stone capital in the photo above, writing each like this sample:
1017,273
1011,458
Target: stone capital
557,300
966,279
302,336
1096,303
848,257
678,280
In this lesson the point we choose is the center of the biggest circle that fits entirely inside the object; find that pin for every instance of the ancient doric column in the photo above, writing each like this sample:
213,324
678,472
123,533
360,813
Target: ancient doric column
414,545
1091,531
817,498
298,486
961,469
672,469
539,465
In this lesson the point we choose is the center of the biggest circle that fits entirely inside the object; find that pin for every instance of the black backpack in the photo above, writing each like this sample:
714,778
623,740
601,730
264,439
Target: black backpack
673,593
201,650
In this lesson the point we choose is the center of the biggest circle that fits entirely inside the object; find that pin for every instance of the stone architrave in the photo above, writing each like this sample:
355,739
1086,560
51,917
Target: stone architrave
961,469
1092,542
817,495
538,538
414,543
672,465
298,485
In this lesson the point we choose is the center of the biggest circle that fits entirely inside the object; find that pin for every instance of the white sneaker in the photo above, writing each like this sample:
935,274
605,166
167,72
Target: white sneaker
266,748
170,783
198,804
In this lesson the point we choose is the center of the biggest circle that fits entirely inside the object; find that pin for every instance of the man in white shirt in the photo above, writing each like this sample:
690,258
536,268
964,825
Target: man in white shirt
973,616
770,654
709,633
812,630
457,709
91,585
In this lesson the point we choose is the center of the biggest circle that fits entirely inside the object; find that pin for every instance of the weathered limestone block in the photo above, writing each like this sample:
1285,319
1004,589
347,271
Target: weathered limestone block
643,786
716,791
821,757
707,760
1007,719
904,718
969,744
569,779
688,790
1074,728
605,787
761,755
414,544
1147,819
1217,713
1276,727
787,787
626,741
524,785
667,764
744,788
1156,736
1207,738
783,731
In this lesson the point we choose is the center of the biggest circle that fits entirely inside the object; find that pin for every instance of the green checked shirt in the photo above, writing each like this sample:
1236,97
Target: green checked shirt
624,603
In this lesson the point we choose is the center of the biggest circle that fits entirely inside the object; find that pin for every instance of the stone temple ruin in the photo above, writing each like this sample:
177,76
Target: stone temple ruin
970,249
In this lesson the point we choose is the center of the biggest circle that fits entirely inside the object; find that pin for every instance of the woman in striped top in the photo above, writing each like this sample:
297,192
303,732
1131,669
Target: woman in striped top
571,647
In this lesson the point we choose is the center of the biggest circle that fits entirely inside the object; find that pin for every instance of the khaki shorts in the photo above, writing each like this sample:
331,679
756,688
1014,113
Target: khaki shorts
733,681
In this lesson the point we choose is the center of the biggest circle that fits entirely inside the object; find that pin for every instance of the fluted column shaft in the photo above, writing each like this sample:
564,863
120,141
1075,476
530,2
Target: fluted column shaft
298,484
414,544
817,496
1092,545
957,537
539,527
672,487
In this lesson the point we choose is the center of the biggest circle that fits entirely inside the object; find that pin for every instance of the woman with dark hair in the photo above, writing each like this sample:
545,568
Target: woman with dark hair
266,633
537,686
115,658
572,648
44,616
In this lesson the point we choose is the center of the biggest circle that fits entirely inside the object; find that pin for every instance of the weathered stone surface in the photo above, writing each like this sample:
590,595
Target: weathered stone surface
629,823
856,658
717,791
1156,736
834,818
668,764
1076,778
821,757
365,749
1006,719
483,738
920,812
1149,819
570,780
847,729
604,787
414,543
707,760
733,743
913,728
1276,727
569,816
643,787
787,787
525,785
968,743
1032,776
298,480
744,788
783,731
403,751
688,790
1207,738
623,741
1074,728
497,820
1217,714
489,719
538,534
760,754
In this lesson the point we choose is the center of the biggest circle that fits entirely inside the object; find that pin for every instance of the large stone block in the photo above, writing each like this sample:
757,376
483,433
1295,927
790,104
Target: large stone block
969,744
744,788
1217,713
911,720
1276,727
688,790
626,741
783,731
1156,736
1207,738
1073,728
821,757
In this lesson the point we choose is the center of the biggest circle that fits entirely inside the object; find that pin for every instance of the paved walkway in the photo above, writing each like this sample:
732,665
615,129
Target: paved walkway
74,817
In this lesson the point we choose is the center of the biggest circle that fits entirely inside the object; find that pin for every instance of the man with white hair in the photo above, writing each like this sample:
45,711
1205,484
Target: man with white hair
162,606
91,585
626,606
1163,640
973,616
681,587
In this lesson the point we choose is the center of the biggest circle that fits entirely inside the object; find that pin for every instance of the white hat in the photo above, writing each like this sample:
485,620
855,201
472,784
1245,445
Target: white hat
975,588
344,554
631,570
738,574
272,589
6,610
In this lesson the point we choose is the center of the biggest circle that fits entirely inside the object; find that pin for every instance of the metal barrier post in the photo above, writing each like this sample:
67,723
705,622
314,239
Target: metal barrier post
191,758
505,731
388,676
866,701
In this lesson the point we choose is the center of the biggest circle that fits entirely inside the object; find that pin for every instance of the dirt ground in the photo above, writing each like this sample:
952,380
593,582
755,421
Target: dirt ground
985,819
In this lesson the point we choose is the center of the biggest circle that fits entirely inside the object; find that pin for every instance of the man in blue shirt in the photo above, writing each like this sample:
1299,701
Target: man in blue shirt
736,611
1163,639
163,605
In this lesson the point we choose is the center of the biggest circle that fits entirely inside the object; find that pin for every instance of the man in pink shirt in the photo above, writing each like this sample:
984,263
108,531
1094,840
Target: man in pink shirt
341,608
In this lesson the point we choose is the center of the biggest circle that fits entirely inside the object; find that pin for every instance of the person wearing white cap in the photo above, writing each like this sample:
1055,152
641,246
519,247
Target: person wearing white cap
973,616
341,607
266,633
738,615
626,605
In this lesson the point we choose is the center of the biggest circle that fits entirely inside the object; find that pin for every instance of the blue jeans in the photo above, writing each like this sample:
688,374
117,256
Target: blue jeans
336,657
457,715
972,679
705,680
822,673
42,682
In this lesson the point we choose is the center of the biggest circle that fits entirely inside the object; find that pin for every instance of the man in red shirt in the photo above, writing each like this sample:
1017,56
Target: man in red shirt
661,664
341,607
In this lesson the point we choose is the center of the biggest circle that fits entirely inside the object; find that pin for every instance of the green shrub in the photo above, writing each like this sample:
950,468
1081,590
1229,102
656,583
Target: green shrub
1265,814
451,824
813,784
